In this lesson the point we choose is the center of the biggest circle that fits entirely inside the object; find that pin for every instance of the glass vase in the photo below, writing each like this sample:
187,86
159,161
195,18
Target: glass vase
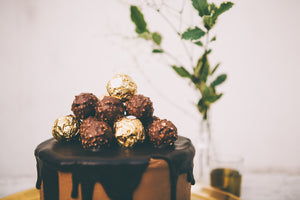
204,150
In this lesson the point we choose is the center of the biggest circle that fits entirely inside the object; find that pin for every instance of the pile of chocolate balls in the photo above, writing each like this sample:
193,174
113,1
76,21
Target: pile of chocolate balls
121,117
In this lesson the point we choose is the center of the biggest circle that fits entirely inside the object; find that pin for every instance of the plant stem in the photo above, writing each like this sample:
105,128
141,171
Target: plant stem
179,35
173,57
168,21
161,94
189,55
207,41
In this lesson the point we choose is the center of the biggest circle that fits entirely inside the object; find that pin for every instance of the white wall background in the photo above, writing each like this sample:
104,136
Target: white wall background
51,51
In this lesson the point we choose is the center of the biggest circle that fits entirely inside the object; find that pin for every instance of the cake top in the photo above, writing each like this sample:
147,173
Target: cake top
66,156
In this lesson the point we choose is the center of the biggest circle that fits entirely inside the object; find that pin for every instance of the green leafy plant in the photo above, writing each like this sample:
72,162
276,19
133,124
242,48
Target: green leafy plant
202,74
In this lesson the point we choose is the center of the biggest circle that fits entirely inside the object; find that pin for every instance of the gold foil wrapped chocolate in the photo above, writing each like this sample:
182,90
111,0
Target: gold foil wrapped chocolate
66,128
121,86
129,131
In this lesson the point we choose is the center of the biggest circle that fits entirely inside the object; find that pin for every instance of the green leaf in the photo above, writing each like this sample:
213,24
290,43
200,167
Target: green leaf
212,7
156,37
145,35
204,72
214,98
137,18
208,22
223,8
181,71
220,79
193,34
202,69
213,39
203,107
198,67
201,6
198,70
199,43
215,68
205,91
195,80
218,11
157,51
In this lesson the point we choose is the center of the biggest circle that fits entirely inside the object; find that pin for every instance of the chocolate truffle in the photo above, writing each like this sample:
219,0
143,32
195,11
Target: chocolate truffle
129,131
162,132
121,86
66,128
140,106
149,121
84,105
95,134
109,109
146,125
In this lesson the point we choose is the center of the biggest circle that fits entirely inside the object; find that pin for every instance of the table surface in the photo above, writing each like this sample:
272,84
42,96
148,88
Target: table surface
255,186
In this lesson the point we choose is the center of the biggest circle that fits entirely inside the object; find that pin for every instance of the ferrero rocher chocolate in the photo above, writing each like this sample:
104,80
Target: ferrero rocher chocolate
66,128
95,134
84,105
129,131
140,106
149,121
122,87
162,132
109,109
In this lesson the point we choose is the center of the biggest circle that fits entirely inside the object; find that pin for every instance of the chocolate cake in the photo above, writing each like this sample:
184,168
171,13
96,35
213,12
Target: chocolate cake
67,171
114,149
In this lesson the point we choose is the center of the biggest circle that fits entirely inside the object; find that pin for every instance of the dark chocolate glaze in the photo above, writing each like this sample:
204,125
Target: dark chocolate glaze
119,170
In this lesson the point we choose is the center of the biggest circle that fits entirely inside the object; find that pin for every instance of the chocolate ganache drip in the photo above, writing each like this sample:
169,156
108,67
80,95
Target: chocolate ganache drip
110,167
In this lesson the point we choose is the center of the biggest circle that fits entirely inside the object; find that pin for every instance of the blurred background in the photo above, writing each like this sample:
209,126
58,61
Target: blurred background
51,51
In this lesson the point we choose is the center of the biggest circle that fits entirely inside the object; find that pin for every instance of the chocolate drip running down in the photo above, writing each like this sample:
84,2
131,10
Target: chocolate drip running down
110,167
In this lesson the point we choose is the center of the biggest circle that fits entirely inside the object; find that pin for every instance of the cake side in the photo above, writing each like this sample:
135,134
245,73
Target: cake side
119,171
154,184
